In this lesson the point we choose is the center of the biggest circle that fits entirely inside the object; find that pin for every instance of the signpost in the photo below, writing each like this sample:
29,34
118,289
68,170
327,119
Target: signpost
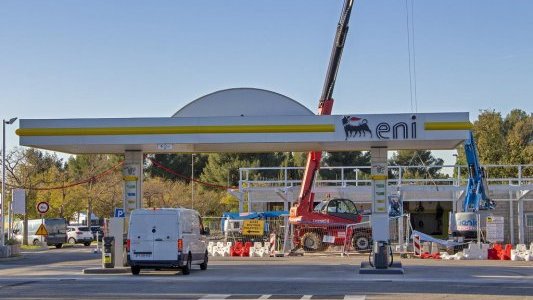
253,227
42,208
495,228
119,213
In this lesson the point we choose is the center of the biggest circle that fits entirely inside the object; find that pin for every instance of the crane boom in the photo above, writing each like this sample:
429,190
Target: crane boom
306,197
477,189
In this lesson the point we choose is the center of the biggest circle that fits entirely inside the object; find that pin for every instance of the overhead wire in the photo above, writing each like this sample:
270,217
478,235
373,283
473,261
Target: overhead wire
414,51
408,30
411,51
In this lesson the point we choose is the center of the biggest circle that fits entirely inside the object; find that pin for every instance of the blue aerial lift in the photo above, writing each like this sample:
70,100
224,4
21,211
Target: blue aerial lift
477,197
466,223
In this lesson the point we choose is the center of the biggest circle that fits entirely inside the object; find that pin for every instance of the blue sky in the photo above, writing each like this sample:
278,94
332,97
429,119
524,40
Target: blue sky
75,59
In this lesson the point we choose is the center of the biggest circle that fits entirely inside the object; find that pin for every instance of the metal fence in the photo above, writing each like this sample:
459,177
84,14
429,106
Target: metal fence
360,236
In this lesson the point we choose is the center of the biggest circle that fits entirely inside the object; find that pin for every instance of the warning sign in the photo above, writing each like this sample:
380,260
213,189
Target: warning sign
253,227
42,230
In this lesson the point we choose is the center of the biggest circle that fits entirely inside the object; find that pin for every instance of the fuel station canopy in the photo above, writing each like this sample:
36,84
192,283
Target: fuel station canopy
246,120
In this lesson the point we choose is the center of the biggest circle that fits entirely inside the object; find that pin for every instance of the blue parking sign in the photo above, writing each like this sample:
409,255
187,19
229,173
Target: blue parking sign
119,213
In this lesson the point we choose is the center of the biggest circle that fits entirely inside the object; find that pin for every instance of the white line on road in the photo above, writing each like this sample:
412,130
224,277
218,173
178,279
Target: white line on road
306,297
216,296
264,297
354,297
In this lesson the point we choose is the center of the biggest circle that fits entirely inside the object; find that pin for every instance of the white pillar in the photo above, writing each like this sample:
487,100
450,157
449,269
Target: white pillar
133,178
380,205
521,225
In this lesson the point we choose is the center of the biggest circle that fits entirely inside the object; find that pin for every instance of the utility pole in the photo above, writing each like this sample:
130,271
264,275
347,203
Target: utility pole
192,181
2,229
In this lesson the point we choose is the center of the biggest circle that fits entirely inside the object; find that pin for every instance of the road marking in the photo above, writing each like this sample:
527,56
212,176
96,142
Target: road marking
216,296
306,297
354,297
264,297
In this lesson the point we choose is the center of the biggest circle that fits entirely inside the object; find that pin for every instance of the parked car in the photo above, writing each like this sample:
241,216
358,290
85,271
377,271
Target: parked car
97,229
166,238
56,228
79,235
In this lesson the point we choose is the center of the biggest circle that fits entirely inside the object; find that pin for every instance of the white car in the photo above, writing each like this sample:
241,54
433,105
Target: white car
166,238
79,235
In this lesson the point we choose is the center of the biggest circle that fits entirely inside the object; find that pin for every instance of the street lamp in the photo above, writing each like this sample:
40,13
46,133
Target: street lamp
192,181
4,122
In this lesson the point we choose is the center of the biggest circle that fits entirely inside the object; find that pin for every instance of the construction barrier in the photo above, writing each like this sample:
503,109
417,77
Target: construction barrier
416,245
245,238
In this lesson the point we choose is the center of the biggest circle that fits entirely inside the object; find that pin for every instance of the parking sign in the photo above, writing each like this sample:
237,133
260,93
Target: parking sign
119,213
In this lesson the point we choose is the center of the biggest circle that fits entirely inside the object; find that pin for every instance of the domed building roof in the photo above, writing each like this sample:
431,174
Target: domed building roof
243,102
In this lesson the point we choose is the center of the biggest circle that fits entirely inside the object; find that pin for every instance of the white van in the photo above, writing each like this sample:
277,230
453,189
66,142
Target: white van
166,238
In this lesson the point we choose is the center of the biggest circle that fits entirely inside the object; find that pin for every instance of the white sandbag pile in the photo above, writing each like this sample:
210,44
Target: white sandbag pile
474,251
521,253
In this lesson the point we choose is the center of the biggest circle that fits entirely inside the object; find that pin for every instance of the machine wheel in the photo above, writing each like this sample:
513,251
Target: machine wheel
361,242
135,270
312,242
87,244
58,246
203,266
72,241
186,270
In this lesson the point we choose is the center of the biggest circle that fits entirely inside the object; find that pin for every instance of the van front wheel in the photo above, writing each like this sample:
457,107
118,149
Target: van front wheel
186,270
203,266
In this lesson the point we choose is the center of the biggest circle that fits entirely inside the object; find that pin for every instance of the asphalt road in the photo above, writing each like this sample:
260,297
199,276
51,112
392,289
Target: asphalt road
57,274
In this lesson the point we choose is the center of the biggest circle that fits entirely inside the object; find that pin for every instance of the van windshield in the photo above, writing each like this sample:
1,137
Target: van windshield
83,228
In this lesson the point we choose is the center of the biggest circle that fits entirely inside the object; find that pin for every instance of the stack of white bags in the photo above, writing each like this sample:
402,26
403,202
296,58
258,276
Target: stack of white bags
258,250
521,253
219,249
473,252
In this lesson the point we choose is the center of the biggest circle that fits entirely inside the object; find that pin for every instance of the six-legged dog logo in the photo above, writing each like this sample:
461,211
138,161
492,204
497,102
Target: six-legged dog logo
354,126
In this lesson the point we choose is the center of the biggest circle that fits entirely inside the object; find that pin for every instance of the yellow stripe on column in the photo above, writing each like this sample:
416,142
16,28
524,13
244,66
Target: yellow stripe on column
447,126
215,129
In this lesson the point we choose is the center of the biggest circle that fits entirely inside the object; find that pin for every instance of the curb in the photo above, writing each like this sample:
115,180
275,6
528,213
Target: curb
106,271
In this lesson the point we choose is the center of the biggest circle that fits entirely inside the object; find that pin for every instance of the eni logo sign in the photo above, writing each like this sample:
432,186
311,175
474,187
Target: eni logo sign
356,127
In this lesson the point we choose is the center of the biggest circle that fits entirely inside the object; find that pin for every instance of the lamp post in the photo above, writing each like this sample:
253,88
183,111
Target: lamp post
4,122
192,181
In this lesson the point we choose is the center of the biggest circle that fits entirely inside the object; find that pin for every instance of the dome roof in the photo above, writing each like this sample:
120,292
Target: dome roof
243,102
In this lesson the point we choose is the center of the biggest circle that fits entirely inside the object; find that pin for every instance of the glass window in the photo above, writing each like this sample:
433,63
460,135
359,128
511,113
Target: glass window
349,207
320,206
332,206
83,229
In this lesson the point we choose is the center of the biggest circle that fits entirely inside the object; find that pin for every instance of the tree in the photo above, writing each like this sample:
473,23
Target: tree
104,192
223,168
427,166
28,168
502,141
180,163
344,159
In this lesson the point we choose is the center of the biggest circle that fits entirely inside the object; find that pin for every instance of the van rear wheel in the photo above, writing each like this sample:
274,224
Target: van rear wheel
135,270
203,266
58,246
186,270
